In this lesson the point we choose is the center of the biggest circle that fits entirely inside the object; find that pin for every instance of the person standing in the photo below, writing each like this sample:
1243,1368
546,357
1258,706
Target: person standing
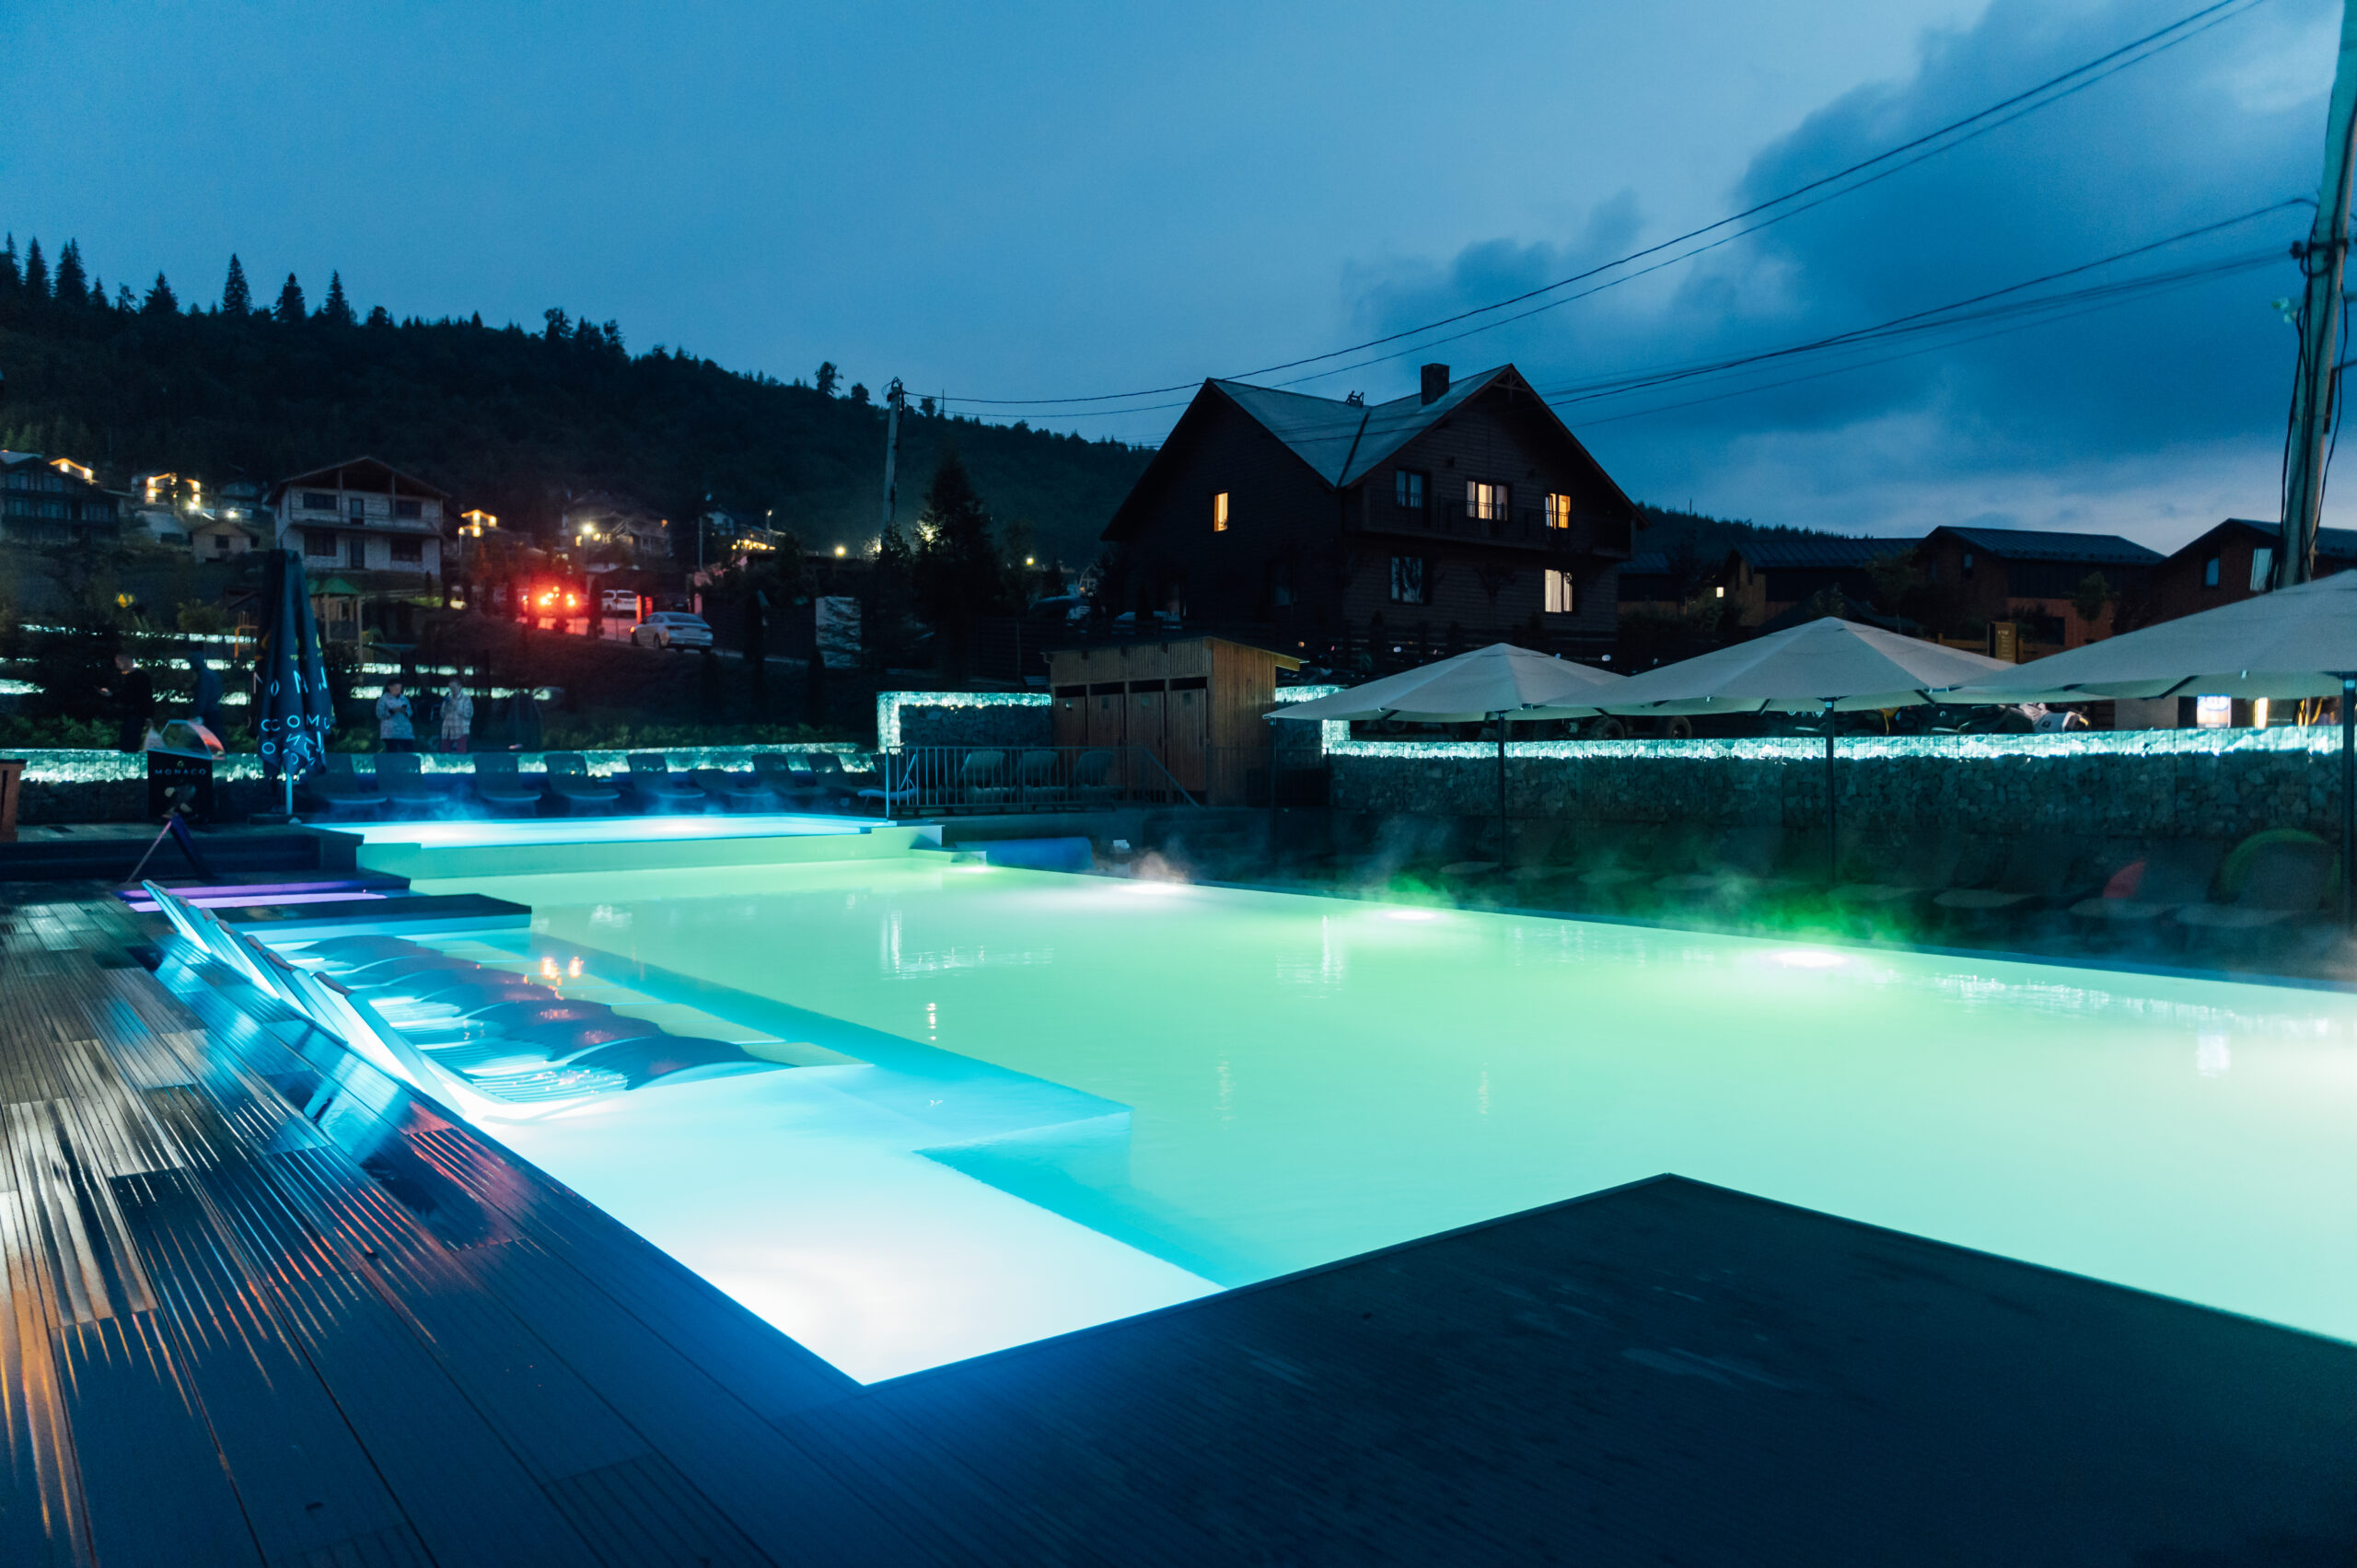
393,714
134,703
457,716
207,702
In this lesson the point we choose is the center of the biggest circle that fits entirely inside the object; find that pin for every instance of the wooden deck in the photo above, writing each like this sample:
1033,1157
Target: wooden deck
264,1305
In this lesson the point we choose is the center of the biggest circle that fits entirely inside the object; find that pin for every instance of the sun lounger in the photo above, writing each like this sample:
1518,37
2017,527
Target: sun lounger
2034,873
2149,887
735,792
1741,863
343,790
503,791
657,789
2284,880
983,780
1092,778
401,775
790,777
1035,777
575,789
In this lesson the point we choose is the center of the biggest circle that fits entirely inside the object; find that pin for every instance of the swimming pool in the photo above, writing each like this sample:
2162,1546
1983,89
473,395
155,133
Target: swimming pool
1035,1101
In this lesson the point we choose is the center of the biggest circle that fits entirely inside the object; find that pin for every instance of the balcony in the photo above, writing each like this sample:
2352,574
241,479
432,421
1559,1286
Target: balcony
1523,526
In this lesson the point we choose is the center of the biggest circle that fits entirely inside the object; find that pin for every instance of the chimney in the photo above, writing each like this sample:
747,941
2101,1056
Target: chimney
1435,382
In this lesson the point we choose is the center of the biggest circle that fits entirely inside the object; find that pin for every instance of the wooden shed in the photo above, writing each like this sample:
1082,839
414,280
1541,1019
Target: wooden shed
1197,705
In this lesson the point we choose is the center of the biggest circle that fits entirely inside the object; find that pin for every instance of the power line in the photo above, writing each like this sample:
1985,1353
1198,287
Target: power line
2117,60
1952,314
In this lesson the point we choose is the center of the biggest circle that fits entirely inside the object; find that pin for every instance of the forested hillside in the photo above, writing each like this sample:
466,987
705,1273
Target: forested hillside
255,387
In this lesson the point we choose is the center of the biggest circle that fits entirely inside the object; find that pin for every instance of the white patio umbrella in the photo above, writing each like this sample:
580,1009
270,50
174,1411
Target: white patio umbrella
1818,667
2299,642
1500,682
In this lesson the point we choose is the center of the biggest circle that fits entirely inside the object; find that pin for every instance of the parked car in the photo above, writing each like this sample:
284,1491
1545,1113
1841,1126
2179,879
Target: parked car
672,629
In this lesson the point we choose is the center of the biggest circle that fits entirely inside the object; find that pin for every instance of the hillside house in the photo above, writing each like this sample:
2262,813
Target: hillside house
1463,514
54,501
1765,578
362,517
2033,577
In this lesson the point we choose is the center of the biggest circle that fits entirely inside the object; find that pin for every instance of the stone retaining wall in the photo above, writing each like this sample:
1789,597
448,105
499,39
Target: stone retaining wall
2216,783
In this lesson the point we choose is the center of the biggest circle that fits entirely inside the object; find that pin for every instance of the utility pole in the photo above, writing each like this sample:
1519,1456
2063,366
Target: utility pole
2323,262
896,397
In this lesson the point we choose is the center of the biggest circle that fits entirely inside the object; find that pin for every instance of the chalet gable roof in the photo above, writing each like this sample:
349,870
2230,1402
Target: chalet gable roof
2033,544
372,474
1832,552
2332,544
1344,442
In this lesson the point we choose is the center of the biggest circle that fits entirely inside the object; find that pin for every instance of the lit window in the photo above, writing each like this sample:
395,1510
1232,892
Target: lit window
1219,513
2209,572
1719,591
2262,567
1408,580
1558,511
1487,502
1407,489
1559,590
2214,712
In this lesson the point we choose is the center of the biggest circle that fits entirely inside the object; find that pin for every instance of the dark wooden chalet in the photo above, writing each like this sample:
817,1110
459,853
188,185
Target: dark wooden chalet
2236,560
1465,515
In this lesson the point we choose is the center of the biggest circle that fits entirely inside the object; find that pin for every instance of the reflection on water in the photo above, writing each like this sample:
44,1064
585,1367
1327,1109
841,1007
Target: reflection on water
1298,1079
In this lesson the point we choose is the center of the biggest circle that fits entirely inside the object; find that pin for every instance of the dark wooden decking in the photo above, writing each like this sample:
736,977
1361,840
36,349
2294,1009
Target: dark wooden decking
262,1306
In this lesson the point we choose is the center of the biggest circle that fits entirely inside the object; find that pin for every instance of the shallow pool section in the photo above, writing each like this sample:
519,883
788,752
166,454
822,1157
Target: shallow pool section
1260,1082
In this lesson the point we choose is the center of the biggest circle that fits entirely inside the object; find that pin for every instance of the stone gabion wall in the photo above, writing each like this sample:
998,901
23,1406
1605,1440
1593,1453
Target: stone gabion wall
976,726
2202,787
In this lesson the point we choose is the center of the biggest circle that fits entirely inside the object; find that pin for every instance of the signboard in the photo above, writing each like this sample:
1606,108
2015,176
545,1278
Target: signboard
837,618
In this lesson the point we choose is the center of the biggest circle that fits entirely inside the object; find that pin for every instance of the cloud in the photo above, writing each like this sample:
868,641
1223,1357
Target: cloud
2148,418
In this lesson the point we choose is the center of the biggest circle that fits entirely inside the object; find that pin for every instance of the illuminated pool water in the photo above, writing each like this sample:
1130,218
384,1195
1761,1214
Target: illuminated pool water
1280,1080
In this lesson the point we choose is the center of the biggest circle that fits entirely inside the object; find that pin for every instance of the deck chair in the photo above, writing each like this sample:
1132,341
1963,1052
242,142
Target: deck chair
2149,889
342,789
503,791
788,777
1739,863
725,791
655,788
1035,777
983,780
575,791
2036,869
402,774
2283,881
1092,778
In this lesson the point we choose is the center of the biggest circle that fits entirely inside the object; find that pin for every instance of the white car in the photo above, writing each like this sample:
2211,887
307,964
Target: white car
672,629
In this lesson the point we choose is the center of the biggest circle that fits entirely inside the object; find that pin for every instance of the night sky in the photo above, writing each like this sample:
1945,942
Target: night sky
1053,200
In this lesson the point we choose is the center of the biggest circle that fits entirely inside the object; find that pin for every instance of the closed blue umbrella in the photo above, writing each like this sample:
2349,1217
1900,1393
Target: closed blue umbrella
292,710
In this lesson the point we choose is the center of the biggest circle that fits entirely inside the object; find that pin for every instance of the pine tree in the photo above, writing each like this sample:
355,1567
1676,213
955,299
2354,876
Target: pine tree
236,299
960,578
827,377
859,393
73,283
336,308
99,300
290,302
125,302
379,317
11,277
36,272
161,300
560,325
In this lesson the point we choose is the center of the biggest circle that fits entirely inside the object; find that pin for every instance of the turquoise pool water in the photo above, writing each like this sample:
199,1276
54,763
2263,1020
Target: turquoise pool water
1034,1101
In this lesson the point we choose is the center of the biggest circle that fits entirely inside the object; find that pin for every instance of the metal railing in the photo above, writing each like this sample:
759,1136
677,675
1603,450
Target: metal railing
937,781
